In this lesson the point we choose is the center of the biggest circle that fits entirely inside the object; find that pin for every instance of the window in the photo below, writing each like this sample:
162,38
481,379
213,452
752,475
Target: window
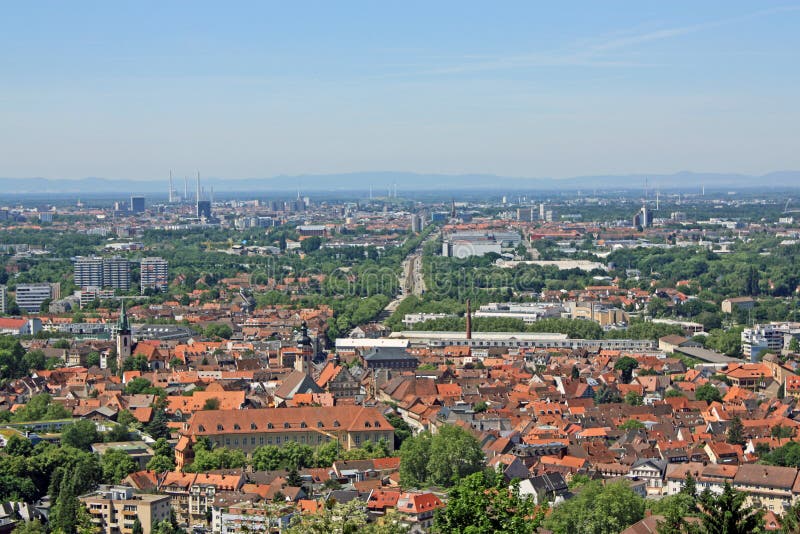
269,425
303,425
253,426
261,440
319,424
220,427
377,424
286,425
201,428
236,426
366,424
336,424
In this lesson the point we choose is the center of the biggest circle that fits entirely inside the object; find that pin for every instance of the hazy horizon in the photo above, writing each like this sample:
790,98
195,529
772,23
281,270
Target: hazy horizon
92,89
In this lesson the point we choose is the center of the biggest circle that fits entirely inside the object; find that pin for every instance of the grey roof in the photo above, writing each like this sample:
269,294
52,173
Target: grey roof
388,353
707,355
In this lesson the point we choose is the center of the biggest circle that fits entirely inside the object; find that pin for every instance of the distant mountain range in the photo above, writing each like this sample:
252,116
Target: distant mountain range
406,181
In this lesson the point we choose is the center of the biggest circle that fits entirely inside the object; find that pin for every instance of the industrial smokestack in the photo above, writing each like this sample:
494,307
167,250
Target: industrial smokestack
469,320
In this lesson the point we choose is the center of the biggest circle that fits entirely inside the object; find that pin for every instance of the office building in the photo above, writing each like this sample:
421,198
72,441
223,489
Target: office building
204,209
417,223
115,509
31,296
137,204
643,218
154,274
3,300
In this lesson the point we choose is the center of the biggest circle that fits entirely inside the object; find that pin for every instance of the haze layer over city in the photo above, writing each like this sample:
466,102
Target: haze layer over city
413,268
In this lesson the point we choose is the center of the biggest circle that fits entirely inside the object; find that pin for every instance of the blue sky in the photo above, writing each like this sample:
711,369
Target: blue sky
240,89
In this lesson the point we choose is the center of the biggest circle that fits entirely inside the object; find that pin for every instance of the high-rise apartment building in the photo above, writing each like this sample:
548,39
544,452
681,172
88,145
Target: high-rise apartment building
92,271
117,273
154,274
2,300
89,271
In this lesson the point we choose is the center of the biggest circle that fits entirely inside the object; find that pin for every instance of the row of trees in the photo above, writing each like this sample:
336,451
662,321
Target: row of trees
289,456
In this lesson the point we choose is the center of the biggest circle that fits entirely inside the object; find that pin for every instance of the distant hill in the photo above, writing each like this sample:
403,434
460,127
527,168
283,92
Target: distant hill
406,181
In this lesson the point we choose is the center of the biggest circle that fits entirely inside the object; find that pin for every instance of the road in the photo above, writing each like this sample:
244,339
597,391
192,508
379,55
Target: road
412,281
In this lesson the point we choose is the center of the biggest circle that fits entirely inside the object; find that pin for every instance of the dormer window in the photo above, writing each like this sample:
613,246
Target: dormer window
319,424
201,428
377,424
270,425
336,424
220,427
253,426
303,425
366,424
286,425
236,426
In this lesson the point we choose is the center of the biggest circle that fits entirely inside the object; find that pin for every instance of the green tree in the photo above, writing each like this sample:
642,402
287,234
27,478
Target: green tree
218,331
735,434
310,244
632,424
18,446
707,392
794,345
483,502
347,518
440,459
787,455
125,418
117,433
606,395
80,434
116,465
632,398
93,359
597,509
625,366
159,464
30,527
727,514
211,403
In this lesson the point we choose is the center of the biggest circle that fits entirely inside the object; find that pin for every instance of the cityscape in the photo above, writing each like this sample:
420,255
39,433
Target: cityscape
517,335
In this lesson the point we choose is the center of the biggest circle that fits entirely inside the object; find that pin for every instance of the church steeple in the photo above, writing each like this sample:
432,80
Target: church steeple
122,323
123,337
305,351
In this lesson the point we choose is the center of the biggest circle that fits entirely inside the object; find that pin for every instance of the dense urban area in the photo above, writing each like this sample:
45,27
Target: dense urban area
564,362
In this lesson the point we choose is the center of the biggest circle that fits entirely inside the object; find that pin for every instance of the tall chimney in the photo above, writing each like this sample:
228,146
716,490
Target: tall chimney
469,320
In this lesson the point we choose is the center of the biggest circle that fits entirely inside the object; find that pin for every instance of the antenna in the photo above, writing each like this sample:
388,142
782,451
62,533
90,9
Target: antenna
211,198
185,188
657,197
370,191
197,197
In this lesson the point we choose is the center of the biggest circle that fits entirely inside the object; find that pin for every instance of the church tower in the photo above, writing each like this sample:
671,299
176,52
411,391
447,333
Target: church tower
123,337
305,351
